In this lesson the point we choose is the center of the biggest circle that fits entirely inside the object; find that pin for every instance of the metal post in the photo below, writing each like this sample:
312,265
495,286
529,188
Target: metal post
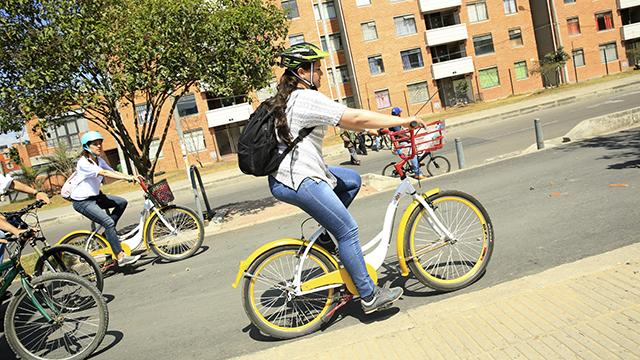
183,145
459,153
539,136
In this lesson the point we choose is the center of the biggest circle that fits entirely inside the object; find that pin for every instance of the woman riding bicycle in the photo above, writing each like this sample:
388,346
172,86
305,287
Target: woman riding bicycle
304,180
89,201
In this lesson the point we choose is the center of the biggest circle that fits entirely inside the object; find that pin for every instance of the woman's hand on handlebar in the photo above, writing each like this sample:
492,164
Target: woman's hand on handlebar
133,179
416,122
41,196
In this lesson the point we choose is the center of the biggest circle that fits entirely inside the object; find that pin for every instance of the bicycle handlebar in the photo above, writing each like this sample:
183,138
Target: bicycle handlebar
35,205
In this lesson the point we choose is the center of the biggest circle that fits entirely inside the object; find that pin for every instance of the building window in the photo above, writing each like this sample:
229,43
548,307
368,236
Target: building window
369,31
417,93
510,7
153,148
441,19
383,100
363,2
336,42
376,66
573,26
194,141
522,72
296,39
405,25
187,105
64,131
489,78
143,114
569,1
515,37
329,11
290,8
604,21
411,59
341,77
477,11
483,44
578,57
608,53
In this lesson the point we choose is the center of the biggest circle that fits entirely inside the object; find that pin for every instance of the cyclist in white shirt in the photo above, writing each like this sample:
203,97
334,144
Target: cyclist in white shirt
89,201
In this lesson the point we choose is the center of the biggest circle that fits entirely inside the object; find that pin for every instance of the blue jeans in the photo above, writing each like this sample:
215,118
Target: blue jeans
94,208
329,208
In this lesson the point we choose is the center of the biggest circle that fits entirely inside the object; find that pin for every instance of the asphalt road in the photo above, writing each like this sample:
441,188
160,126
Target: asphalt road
482,141
548,208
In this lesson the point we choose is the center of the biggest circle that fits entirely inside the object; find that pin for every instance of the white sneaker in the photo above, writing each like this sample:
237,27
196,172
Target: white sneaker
127,260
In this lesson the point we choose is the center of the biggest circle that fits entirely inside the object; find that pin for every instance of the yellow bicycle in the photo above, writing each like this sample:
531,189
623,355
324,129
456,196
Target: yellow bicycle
172,232
291,287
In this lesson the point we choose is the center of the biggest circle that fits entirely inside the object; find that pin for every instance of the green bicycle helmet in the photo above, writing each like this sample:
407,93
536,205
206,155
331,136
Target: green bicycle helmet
299,54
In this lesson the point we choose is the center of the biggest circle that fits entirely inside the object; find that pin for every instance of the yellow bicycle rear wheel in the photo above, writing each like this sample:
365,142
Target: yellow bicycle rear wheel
449,264
268,294
97,246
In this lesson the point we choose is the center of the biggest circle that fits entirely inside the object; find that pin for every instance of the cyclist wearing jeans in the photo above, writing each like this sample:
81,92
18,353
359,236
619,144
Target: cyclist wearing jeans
415,165
304,180
89,201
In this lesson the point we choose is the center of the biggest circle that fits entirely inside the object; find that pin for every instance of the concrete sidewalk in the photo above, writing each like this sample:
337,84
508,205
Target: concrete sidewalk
527,105
588,309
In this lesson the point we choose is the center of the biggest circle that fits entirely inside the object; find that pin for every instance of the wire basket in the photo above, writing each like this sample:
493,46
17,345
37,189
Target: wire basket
426,139
161,192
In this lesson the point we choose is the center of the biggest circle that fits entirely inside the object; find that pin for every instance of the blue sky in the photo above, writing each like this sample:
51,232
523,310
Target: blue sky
8,139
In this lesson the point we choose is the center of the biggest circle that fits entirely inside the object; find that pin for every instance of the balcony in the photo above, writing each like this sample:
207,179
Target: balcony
427,6
625,4
446,34
229,114
451,68
631,31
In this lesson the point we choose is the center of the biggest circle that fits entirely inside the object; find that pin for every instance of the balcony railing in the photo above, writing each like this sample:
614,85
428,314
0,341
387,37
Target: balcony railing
625,4
427,6
451,68
446,34
229,114
631,31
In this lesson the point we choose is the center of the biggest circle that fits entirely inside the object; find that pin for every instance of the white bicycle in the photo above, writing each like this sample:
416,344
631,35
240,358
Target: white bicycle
172,232
291,287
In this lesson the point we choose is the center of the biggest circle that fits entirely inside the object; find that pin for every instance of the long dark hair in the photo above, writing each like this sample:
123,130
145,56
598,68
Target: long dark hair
288,83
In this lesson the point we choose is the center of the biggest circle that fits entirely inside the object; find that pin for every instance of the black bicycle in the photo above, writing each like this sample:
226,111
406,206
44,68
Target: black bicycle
435,165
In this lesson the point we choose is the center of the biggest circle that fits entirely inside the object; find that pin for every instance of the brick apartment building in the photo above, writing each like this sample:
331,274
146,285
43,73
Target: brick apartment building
404,53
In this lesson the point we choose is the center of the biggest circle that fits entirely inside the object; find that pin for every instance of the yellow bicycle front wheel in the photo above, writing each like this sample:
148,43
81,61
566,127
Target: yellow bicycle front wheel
449,264
268,295
181,239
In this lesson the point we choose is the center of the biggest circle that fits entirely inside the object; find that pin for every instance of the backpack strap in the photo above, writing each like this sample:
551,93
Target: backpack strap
301,135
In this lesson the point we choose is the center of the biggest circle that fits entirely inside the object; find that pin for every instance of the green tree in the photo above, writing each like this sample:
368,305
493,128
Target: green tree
14,155
62,161
31,176
550,66
97,58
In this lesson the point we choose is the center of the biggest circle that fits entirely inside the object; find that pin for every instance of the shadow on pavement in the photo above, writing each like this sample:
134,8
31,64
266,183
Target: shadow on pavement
255,334
628,139
244,208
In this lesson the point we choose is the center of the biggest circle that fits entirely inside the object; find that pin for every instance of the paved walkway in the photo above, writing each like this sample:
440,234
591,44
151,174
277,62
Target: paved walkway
588,309
527,105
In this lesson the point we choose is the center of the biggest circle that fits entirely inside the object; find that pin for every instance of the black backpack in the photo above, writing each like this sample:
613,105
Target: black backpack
258,145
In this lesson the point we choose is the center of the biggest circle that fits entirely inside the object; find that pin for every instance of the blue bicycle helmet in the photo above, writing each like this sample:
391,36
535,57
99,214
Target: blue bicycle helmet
89,137
396,111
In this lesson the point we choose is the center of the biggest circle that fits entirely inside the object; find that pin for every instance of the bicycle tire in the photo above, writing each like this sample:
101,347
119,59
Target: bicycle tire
292,323
368,141
51,287
385,141
176,245
390,170
438,165
471,226
97,247
67,258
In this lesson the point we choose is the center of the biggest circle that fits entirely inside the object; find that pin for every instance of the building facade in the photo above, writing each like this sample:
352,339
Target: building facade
421,55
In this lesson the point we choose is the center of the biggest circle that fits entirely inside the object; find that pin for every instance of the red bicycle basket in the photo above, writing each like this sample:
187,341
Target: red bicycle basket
161,192
426,139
